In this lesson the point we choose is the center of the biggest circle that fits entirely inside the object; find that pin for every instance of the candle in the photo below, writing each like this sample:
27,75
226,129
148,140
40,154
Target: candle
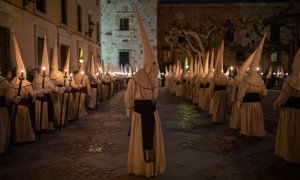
44,71
82,76
22,73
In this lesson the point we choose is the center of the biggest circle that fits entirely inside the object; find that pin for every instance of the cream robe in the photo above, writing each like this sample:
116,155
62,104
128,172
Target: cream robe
252,118
136,163
219,97
8,95
49,87
206,98
235,120
201,92
288,132
23,128
84,82
195,89
57,100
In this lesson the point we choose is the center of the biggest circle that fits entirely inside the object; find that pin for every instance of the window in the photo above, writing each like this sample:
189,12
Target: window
64,13
98,37
63,56
4,48
40,47
41,5
124,24
79,18
124,58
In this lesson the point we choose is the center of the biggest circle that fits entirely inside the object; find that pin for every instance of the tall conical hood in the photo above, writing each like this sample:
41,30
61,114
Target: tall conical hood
19,60
67,62
150,62
45,58
270,72
294,79
200,67
243,68
256,59
55,73
253,78
296,64
219,60
211,62
206,63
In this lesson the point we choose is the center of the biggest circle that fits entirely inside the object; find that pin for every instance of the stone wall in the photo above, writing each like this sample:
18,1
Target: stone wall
114,40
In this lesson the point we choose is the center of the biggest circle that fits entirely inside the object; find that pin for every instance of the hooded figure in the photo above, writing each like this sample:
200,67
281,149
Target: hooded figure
235,115
206,99
217,88
91,72
24,114
146,156
83,81
288,136
7,97
201,80
248,98
45,113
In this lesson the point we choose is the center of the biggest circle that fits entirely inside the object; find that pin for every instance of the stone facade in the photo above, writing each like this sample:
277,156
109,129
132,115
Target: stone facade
29,24
202,14
115,41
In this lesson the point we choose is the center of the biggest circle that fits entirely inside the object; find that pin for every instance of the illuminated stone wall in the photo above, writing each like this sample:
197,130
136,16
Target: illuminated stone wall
27,24
114,40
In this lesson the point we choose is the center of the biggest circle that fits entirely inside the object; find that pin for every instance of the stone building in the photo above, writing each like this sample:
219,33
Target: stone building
239,24
72,24
120,39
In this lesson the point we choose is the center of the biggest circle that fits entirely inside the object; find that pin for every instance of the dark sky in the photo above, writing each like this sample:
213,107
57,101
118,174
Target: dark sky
219,1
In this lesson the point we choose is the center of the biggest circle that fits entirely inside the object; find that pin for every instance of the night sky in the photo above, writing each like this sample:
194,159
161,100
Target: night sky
219,1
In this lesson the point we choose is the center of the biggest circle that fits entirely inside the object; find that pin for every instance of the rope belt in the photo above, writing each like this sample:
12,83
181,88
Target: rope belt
146,109
251,97
292,102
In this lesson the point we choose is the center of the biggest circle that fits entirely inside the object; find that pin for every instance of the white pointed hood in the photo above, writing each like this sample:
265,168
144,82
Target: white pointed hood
219,60
150,62
55,73
206,64
243,68
270,73
253,77
294,79
45,58
19,60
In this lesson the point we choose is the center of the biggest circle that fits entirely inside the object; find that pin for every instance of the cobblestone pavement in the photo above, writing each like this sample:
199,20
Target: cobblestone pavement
96,146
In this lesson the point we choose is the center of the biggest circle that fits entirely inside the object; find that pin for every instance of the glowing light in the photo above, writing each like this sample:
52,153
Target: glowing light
261,73
287,74
231,68
257,68
82,72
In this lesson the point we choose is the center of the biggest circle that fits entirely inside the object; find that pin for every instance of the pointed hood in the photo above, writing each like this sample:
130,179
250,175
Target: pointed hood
55,73
219,60
19,61
270,73
211,66
253,78
150,62
200,67
205,71
294,79
243,68
45,58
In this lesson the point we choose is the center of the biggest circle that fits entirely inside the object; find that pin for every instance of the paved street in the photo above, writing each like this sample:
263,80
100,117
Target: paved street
95,147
